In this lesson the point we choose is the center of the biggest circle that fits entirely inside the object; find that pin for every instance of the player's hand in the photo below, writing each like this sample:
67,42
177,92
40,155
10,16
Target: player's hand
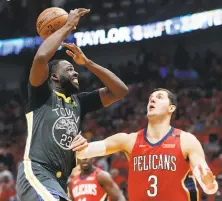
207,177
79,143
74,16
76,53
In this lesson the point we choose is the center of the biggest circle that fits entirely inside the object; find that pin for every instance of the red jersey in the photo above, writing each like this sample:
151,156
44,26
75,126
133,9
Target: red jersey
159,172
88,189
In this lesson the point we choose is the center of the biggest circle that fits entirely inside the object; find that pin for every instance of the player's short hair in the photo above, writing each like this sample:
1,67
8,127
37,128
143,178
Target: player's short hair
172,97
54,66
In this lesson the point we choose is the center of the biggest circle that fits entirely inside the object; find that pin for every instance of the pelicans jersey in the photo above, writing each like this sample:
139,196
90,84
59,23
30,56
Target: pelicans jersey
87,189
159,172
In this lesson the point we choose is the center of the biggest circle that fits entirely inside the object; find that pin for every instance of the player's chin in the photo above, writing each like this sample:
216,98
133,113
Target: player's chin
150,114
76,85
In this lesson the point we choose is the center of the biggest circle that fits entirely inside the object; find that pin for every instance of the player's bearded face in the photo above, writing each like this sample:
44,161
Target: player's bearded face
69,83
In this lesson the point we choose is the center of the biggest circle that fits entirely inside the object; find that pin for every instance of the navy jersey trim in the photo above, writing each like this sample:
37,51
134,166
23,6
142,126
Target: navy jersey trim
158,143
191,187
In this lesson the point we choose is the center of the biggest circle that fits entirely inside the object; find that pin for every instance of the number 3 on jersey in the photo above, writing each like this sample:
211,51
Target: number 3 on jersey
152,192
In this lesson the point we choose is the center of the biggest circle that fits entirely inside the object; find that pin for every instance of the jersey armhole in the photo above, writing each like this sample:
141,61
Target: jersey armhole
138,135
180,141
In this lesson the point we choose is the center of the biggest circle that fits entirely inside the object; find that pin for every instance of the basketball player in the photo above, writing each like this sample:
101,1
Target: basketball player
54,112
93,184
160,157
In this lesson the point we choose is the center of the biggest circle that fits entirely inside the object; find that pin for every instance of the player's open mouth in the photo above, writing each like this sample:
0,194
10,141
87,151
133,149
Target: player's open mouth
151,107
85,164
75,80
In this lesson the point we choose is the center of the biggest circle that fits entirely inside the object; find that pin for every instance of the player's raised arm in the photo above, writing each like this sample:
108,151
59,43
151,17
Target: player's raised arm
201,171
113,191
115,89
39,70
112,144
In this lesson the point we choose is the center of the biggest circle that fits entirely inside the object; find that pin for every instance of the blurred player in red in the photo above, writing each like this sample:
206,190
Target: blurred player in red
93,184
163,161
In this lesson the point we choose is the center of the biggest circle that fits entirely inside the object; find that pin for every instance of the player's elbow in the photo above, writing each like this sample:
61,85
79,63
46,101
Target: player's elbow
40,58
123,92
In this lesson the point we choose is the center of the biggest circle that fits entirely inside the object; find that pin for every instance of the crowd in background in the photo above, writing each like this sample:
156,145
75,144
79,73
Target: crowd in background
199,111
196,79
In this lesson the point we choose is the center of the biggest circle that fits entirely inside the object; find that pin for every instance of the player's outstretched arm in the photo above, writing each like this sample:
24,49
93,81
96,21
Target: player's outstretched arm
113,191
39,70
112,144
69,189
115,89
201,171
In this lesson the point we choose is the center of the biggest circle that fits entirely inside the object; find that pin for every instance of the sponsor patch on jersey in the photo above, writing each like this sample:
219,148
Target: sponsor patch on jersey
169,146
142,145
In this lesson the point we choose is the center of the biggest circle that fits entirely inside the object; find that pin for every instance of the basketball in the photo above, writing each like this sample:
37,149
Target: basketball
50,20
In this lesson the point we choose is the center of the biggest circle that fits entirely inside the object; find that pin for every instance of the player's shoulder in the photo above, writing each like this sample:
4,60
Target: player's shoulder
187,135
102,173
103,177
71,179
188,141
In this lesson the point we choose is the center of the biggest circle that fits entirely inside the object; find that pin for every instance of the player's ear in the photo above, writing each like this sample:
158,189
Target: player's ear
172,108
54,77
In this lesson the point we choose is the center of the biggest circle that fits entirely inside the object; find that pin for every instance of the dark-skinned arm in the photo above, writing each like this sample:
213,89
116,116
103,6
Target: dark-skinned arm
39,71
115,89
70,188
113,191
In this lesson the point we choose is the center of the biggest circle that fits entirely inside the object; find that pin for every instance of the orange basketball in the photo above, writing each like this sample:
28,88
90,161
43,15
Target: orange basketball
50,20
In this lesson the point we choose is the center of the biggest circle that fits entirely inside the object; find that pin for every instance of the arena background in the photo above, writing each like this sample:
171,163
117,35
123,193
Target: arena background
166,44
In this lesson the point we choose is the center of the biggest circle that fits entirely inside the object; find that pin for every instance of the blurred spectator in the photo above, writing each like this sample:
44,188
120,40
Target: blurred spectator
7,184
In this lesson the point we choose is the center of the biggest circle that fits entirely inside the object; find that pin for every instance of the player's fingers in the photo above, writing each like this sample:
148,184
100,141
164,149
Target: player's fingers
67,45
75,140
210,174
70,53
81,147
79,144
74,145
78,140
72,47
84,12
201,169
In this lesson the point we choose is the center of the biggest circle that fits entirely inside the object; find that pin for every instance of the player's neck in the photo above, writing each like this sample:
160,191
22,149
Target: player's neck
59,89
158,129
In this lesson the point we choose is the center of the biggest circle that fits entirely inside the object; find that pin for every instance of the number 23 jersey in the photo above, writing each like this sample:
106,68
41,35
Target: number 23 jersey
159,172
53,120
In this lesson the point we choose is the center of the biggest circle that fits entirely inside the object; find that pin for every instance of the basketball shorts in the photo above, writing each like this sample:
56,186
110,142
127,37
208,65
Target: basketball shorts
35,182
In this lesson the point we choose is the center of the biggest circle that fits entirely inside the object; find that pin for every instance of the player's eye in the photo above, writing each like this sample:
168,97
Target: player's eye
160,97
70,69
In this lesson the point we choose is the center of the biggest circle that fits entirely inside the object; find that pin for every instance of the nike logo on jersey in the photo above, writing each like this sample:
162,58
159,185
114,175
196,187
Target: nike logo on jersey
168,145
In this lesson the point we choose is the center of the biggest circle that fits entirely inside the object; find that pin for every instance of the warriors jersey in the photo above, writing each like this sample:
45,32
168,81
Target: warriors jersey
87,189
159,172
53,121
